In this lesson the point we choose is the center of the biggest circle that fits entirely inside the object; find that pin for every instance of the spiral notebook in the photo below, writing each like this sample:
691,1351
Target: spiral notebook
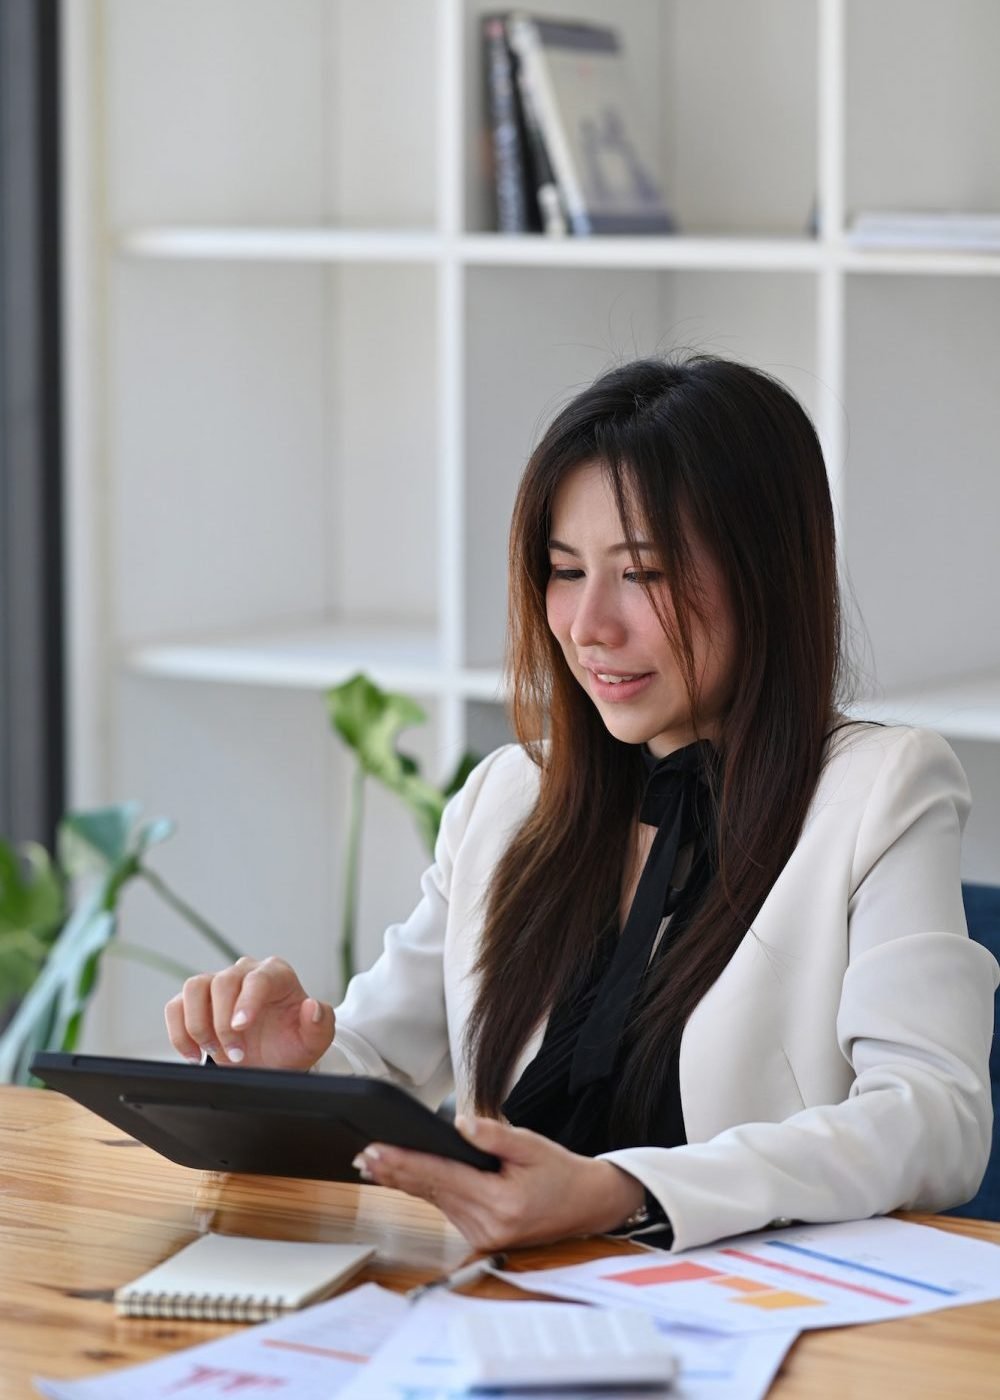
233,1278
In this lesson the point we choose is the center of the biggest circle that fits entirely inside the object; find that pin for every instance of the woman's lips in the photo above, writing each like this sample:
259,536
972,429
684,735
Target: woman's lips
625,685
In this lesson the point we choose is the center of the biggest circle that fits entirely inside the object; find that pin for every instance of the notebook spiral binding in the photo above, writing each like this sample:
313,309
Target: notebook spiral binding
200,1307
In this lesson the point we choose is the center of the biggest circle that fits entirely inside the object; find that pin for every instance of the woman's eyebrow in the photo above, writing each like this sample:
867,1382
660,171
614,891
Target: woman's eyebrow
623,548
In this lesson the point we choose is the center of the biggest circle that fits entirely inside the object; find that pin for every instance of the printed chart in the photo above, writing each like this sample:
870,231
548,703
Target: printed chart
804,1277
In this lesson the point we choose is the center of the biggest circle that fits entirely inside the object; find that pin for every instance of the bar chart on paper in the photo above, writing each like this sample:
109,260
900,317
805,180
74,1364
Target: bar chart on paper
804,1277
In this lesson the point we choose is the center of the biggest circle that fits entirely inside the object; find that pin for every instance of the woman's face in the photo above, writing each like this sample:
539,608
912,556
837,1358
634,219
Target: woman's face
609,631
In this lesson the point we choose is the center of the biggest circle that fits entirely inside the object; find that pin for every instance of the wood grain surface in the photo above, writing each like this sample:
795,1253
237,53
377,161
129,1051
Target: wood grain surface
84,1209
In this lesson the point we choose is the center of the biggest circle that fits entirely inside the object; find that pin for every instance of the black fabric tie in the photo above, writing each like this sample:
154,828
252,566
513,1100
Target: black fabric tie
668,804
568,1091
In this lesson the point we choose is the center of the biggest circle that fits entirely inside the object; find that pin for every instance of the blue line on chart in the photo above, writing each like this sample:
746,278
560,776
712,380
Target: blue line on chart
863,1268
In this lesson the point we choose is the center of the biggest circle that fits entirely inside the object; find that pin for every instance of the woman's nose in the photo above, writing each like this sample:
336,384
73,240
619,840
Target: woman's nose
597,620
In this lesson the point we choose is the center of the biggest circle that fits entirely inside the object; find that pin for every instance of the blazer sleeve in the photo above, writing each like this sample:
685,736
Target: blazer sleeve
915,1022
392,1023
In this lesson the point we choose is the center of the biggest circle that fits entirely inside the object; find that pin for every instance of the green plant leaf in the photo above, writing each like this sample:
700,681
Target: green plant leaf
369,721
22,953
48,1018
109,842
92,843
31,890
32,908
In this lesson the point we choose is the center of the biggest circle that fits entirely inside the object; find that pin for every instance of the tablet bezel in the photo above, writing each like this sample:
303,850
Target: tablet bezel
262,1122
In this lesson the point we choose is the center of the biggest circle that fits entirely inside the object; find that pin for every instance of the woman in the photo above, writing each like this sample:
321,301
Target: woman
697,961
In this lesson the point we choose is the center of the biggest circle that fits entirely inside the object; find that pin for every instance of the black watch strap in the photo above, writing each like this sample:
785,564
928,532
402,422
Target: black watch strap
649,1223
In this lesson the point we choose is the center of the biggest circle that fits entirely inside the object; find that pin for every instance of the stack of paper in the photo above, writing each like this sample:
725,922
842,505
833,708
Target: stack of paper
942,232
728,1313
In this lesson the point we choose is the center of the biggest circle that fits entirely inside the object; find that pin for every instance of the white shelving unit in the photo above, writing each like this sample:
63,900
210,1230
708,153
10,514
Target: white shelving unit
304,376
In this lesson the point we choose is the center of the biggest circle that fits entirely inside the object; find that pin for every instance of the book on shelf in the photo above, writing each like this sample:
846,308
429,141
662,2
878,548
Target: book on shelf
944,231
582,120
527,199
508,160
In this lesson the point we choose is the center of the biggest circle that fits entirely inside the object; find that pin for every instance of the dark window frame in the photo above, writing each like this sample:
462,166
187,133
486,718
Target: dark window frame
32,705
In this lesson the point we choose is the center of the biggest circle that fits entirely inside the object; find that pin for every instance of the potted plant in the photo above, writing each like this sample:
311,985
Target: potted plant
59,915
51,947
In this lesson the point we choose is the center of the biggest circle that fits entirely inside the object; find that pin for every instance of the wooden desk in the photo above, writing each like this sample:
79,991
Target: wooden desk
84,1209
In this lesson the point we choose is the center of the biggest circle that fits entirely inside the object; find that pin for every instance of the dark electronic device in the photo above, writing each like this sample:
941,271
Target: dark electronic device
267,1122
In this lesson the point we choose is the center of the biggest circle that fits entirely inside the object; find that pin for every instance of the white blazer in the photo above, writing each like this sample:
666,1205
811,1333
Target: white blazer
837,1069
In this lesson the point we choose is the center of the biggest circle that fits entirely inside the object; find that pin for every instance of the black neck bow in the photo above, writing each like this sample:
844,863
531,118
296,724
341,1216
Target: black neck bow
567,1091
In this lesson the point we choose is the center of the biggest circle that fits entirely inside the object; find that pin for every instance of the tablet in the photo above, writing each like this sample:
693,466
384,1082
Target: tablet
267,1122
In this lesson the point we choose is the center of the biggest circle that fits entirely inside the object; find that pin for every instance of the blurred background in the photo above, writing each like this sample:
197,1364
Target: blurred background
270,374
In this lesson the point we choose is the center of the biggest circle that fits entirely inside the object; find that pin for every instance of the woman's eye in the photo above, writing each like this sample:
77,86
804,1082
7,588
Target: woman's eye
565,573
644,575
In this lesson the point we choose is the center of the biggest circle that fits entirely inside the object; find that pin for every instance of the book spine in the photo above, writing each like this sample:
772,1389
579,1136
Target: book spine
551,217
509,163
537,90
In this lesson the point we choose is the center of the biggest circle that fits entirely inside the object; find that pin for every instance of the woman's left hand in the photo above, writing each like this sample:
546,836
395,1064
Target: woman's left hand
541,1193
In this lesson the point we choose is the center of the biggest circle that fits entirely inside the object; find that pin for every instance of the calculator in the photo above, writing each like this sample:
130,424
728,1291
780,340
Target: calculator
503,1346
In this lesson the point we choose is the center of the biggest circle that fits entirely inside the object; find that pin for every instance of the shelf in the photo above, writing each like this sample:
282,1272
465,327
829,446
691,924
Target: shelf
315,657
304,657
491,249
723,252
911,262
279,244
717,251
965,709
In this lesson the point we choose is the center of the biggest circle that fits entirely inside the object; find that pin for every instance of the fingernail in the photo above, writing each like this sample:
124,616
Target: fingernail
358,1163
212,1050
317,1015
240,1019
372,1154
193,1059
235,1053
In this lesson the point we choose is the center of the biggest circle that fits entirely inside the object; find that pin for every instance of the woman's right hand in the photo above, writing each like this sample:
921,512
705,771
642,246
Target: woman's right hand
253,1013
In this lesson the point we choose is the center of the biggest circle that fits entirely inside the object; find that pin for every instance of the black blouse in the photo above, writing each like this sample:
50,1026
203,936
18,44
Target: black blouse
567,1092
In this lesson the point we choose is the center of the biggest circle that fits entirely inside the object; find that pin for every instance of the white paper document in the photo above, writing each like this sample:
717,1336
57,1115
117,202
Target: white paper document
306,1355
418,1362
808,1276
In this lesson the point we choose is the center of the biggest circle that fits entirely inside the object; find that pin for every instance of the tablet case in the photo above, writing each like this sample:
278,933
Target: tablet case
265,1122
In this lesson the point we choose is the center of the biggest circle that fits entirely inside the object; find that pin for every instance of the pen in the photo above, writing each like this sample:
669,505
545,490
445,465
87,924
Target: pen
468,1273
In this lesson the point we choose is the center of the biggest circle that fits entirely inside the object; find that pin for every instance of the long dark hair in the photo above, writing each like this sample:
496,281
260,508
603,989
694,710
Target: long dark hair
705,448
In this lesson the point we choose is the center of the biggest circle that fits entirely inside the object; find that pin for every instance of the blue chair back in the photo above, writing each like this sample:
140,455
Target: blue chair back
982,909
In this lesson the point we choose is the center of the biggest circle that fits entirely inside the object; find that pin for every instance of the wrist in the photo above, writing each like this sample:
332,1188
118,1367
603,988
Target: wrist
619,1197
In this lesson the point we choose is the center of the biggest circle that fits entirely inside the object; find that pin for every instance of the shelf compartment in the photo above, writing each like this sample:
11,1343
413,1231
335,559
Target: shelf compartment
262,414
224,111
726,89
922,491
922,105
